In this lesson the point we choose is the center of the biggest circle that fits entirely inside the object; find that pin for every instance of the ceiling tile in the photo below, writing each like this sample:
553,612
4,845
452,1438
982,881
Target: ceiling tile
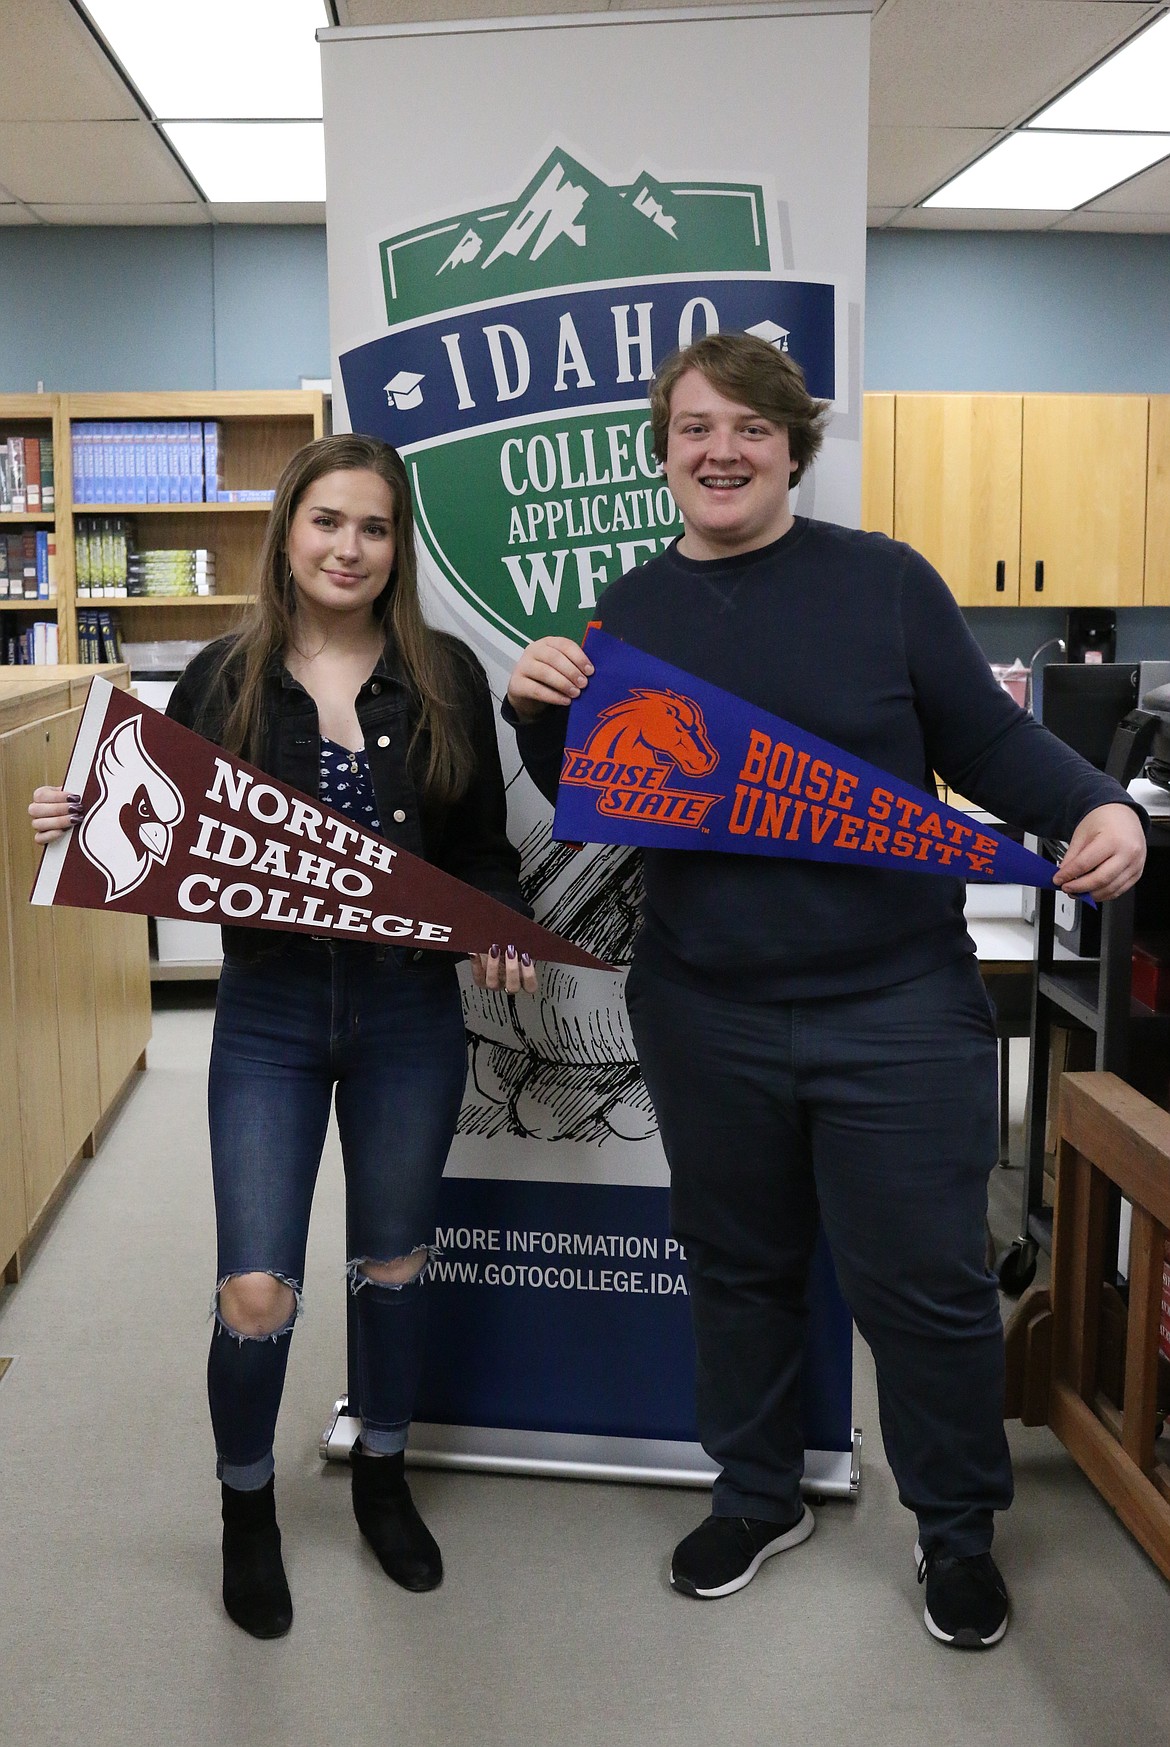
986,63
365,12
908,163
950,219
1150,223
1149,192
89,162
91,213
52,69
284,212
12,213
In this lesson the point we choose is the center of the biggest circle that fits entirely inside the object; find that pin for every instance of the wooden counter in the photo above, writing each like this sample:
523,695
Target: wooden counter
74,984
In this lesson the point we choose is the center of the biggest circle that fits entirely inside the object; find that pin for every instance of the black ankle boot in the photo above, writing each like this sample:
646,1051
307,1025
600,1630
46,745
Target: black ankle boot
385,1512
255,1590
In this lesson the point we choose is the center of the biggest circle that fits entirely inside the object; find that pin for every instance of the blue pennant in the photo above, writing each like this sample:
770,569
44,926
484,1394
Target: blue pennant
658,758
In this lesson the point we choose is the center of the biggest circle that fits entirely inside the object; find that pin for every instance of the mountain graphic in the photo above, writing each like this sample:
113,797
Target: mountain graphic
566,225
568,228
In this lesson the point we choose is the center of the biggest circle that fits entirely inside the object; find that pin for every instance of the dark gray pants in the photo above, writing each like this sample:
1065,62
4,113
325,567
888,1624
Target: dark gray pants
877,1112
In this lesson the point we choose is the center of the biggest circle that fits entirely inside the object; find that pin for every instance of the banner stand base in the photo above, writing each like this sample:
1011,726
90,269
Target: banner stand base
581,1456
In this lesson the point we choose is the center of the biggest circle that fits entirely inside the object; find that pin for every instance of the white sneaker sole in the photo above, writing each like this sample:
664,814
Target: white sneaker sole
959,1640
790,1538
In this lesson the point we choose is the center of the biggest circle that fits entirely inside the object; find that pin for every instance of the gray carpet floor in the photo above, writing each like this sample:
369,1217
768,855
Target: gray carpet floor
555,1624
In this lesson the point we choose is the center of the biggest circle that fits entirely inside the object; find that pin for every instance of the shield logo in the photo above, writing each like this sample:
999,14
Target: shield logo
513,376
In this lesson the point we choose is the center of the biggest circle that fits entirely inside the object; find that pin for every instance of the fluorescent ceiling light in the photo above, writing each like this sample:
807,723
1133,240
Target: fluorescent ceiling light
1051,171
253,160
1130,92
218,58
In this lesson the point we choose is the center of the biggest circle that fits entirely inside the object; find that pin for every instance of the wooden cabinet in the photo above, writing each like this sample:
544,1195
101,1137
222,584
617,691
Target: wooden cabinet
877,464
1056,500
1157,591
957,490
74,984
1083,500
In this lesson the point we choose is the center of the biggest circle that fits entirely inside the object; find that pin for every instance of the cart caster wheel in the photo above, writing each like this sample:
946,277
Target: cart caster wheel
1016,1268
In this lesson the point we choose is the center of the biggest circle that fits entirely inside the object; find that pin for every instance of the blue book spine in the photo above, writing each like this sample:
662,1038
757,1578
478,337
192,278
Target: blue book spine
42,564
211,460
183,456
101,466
118,451
88,448
152,460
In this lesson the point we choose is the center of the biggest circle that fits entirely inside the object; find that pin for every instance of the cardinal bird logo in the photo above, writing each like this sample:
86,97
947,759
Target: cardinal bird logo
131,826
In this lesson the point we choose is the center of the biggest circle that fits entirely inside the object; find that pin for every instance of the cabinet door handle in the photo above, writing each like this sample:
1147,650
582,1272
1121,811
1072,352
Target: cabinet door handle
1000,577
1039,576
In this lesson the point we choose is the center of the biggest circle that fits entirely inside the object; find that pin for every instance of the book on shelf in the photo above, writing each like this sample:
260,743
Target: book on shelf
32,474
102,549
147,461
13,544
28,563
185,571
34,645
14,477
98,637
46,562
48,479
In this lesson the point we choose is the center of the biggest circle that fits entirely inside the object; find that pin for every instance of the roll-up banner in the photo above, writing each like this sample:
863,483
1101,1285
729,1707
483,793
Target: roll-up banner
524,216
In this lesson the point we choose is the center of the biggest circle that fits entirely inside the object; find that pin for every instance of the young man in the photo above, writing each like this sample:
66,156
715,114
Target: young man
815,1037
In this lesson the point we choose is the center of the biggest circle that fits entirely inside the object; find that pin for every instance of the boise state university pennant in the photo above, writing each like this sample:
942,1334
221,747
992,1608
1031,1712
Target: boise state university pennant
658,758
174,826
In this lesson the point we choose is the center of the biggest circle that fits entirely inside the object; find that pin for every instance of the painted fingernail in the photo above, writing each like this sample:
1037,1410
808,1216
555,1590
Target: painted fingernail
494,952
511,952
526,958
74,800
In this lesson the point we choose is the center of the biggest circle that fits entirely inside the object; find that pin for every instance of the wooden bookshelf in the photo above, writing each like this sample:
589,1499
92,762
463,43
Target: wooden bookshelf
260,432
38,415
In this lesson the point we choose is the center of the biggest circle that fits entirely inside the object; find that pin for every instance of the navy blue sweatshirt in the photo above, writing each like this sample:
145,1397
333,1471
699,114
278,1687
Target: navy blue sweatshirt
855,638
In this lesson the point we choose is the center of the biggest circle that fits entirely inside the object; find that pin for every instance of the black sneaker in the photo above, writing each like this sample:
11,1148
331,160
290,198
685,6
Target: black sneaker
724,1553
966,1599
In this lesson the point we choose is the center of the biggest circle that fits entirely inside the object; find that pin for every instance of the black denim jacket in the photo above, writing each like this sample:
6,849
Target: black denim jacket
467,838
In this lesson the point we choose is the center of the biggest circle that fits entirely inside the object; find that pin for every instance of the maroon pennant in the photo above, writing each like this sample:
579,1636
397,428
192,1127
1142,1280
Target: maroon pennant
174,826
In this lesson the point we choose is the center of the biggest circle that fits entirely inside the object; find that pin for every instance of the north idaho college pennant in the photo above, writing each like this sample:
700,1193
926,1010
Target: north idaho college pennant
173,826
656,757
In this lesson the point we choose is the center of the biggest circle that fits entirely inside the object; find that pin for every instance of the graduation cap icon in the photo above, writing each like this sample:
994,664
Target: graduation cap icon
772,332
403,391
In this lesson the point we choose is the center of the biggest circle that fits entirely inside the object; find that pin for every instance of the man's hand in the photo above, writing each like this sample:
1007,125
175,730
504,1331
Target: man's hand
1106,854
553,670
507,970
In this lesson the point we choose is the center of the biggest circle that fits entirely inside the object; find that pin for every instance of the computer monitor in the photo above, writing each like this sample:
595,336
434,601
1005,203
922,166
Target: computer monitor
1082,703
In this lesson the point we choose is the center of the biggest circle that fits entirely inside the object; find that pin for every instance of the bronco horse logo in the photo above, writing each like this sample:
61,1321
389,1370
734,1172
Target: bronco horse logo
665,725
635,746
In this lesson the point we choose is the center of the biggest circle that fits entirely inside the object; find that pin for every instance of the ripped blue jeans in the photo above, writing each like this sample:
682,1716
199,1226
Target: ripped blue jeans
385,1029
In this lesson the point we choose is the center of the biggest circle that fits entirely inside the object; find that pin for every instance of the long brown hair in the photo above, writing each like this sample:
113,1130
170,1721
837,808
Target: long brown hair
427,659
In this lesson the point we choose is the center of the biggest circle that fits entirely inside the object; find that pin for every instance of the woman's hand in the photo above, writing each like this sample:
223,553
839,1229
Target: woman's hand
1105,855
507,970
553,670
53,812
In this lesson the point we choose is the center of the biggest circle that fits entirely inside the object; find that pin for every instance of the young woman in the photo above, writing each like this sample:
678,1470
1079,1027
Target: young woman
336,685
